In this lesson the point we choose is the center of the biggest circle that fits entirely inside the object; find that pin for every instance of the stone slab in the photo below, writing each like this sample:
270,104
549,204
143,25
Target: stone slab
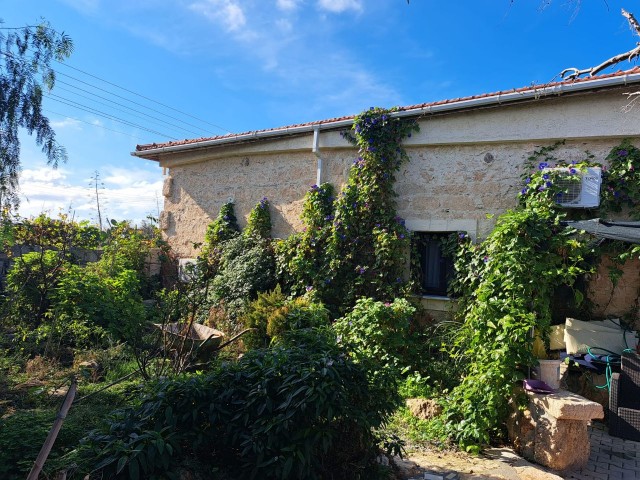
565,405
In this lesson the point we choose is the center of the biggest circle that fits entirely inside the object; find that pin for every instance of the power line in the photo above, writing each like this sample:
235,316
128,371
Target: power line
225,130
92,124
125,98
71,103
146,98
119,104
128,100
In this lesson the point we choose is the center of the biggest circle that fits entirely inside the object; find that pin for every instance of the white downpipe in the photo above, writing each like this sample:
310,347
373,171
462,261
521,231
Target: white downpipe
316,151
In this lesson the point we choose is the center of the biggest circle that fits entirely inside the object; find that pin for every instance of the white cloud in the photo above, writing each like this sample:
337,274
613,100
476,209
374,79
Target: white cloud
42,174
287,5
65,123
284,25
130,196
86,6
227,12
339,6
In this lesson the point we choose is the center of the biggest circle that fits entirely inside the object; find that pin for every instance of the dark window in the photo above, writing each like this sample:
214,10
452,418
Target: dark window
436,268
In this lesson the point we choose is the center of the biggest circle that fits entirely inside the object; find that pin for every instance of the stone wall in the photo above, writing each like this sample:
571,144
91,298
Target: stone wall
463,166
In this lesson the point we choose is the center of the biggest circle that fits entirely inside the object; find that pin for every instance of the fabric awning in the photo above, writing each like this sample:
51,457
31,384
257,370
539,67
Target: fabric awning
626,231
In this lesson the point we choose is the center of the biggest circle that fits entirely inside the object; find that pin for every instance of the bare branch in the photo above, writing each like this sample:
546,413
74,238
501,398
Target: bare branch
633,23
574,73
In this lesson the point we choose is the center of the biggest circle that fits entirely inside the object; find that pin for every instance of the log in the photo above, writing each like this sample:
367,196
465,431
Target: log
53,433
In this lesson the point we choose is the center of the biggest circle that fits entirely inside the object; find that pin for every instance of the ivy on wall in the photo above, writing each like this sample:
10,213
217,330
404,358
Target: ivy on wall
506,283
356,246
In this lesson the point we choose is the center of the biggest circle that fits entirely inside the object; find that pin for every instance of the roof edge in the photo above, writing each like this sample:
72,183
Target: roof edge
617,79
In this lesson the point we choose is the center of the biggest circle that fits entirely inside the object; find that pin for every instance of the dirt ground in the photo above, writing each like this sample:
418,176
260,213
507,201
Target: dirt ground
493,464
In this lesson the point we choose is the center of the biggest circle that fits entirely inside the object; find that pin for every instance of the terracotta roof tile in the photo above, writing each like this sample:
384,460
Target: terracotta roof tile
620,73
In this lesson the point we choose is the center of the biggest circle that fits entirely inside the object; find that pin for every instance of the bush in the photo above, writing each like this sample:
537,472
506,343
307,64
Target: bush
87,305
386,332
302,409
30,283
259,222
272,314
247,267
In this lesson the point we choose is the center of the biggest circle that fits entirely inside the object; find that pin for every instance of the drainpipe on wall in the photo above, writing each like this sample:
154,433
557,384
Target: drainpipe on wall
316,151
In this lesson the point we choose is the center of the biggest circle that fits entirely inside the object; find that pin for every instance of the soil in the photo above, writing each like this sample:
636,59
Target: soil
492,464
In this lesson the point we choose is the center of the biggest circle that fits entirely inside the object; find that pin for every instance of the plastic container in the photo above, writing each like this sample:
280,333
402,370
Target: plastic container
549,372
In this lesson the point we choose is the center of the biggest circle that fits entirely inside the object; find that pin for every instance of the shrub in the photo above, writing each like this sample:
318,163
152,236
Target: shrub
259,222
302,409
386,332
272,314
87,305
247,266
30,283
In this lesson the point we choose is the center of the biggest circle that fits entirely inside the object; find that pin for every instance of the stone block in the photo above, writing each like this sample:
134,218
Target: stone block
565,405
561,444
553,430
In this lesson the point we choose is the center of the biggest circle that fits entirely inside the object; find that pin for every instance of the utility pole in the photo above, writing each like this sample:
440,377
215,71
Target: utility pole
95,178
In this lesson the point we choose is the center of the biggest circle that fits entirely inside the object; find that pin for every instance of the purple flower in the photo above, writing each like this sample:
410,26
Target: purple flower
401,236
462,235
623,153
528,180
309,288
524,191
361,270
572,171
485,259
548,184
543,165
545,176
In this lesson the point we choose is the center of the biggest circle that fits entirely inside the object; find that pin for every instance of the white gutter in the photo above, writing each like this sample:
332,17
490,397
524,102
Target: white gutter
497,99
316,151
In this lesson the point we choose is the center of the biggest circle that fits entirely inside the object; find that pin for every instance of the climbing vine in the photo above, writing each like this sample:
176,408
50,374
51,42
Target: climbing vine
621,181
303,263
506,283
356,245
259,222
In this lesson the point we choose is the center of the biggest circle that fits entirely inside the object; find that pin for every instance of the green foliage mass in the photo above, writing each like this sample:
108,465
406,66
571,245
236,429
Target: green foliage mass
386,332
302,260
29,285
53,303
355,246
272,314
301,409
87,306
246,267
259,222
621,181
224,227
507,283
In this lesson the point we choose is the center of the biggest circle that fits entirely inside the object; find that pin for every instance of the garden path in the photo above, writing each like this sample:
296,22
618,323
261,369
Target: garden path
611,459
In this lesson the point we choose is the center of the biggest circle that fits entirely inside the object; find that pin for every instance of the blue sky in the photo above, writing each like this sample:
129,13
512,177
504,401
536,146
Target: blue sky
239,65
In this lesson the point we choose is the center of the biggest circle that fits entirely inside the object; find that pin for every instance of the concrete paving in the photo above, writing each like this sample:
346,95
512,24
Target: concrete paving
611,458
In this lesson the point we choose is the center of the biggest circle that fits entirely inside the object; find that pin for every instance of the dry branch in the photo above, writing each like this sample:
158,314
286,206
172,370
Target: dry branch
573,73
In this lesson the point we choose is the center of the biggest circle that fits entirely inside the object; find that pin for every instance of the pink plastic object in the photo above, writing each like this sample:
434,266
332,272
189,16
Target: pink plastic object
537,386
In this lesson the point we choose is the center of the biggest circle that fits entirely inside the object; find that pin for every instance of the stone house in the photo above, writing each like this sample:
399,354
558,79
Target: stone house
465,163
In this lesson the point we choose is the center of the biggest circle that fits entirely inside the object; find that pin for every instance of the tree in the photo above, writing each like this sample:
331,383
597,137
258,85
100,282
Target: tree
26,55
